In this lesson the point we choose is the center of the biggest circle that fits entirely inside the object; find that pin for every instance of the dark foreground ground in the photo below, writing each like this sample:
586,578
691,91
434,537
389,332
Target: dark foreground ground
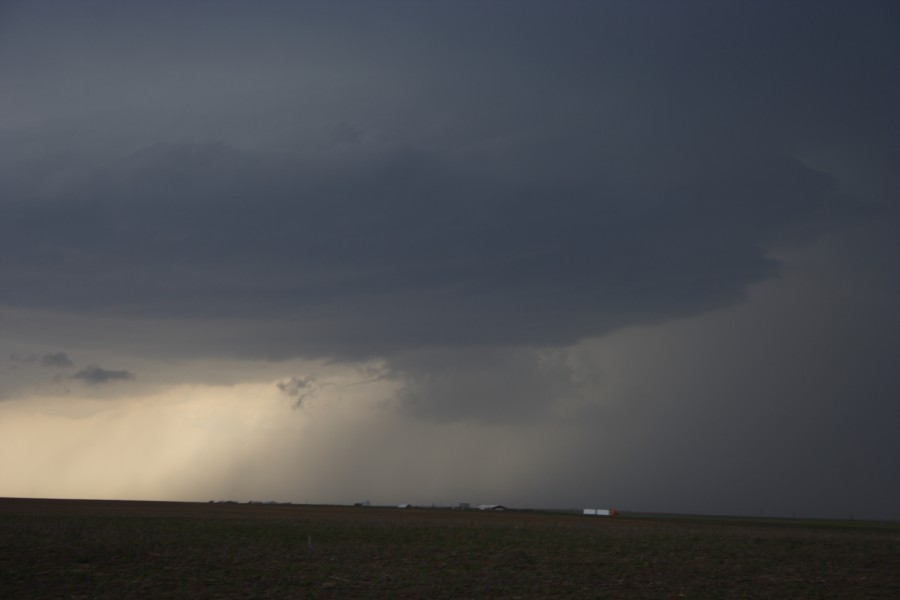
105,549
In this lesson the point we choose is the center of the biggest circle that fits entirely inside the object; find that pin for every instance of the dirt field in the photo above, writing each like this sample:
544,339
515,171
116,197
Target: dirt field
107,549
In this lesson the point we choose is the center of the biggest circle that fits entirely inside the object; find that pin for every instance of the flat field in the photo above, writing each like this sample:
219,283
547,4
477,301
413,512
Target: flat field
110,549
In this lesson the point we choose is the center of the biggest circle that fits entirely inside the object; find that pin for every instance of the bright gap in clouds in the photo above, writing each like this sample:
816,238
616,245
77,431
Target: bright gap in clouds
251,442
152,446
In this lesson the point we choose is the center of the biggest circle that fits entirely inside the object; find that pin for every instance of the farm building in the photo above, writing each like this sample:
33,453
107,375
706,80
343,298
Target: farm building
600,512
490,507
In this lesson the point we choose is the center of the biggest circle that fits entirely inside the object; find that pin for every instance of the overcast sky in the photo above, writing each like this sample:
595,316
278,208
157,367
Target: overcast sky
557,253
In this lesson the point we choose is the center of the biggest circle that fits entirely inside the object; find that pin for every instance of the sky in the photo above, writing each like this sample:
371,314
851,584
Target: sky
640,254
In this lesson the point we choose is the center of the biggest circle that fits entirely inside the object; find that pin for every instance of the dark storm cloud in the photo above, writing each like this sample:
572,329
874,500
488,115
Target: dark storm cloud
96,375
564,172
404,245
493,385
466,190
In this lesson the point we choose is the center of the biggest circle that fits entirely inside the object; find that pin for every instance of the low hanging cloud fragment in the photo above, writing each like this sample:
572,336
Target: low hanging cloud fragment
56,359
96,375
51,359
301,389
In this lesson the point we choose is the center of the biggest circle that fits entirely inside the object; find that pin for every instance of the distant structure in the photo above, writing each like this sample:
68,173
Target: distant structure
600,512
490,507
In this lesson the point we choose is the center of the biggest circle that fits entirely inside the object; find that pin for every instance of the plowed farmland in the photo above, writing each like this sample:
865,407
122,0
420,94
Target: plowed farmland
108,549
